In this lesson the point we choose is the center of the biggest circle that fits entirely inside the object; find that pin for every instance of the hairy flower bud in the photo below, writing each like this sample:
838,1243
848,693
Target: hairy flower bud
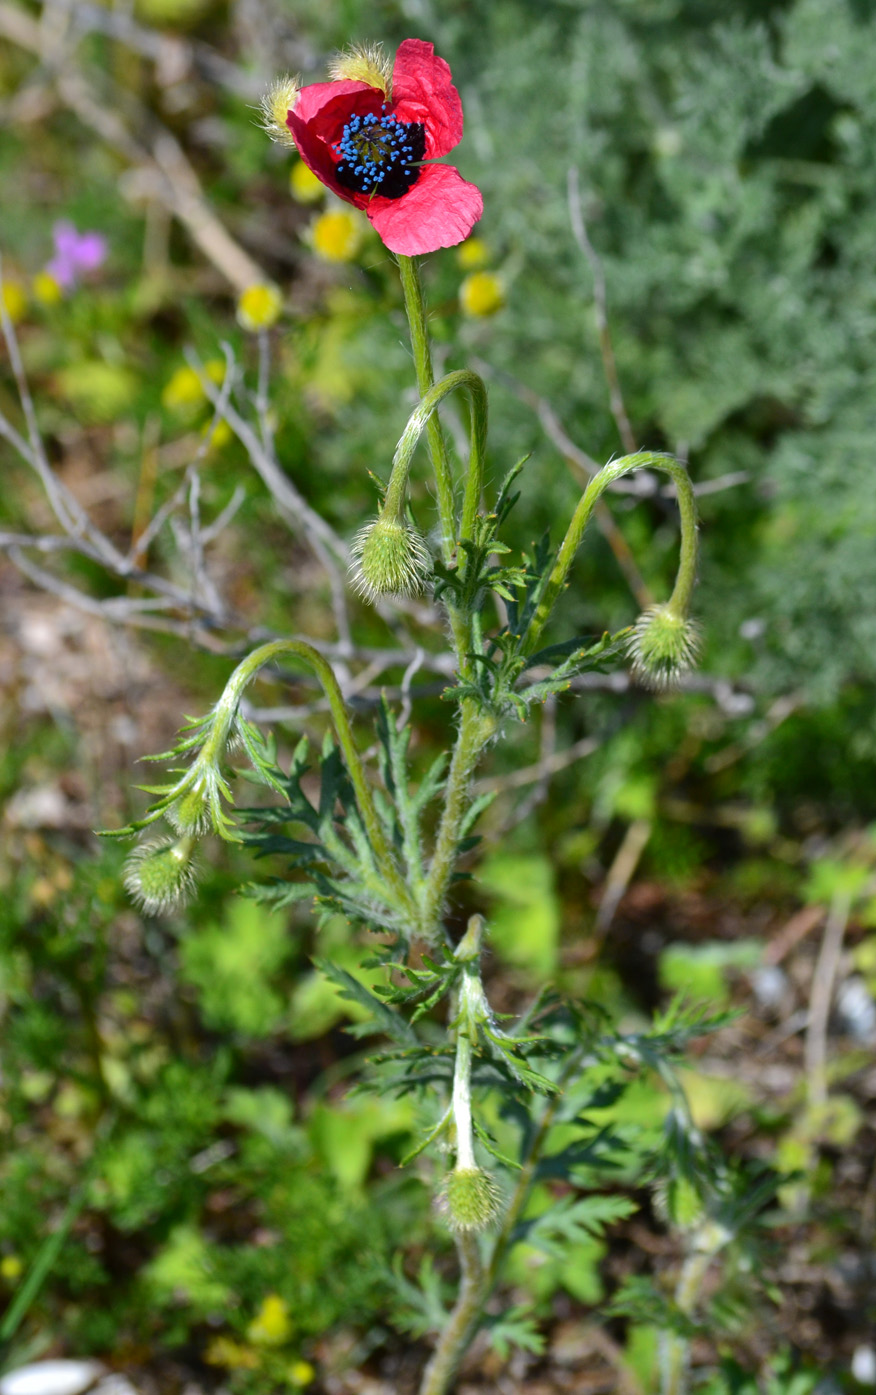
279,99
470,1199
664,645
161,876
362,63
390,558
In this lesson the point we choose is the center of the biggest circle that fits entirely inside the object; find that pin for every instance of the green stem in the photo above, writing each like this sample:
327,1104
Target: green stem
416,312
478,1280
226,711
679,601
463,1322
475,730
421,419
709,1239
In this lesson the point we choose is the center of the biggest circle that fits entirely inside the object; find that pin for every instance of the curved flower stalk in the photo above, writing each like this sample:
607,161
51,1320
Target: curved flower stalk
664,642
390,556
194,802
371,136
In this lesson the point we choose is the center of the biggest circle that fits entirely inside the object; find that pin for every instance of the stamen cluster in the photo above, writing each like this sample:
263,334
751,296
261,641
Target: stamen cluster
378,154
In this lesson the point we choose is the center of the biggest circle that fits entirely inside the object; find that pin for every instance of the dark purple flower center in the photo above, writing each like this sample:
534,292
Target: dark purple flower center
380,154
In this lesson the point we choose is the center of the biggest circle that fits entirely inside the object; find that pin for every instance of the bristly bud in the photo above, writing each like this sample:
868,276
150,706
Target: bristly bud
390,558
363,63
191,812
275,105
470,1199
161,876
663,646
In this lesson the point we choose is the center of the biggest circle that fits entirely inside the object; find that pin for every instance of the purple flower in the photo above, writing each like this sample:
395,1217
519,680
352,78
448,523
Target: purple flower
75,253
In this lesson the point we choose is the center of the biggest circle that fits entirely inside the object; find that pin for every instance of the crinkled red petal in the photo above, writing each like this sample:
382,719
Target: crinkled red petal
440,211
318,119
422,90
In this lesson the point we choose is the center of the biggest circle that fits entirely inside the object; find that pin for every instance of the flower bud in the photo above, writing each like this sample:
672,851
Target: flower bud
191,812
362,63
161,876
470,1199
277,102
390,559
663,646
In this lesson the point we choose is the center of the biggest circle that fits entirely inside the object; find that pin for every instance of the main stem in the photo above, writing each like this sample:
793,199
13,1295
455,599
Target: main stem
475,731
463,1323
415,307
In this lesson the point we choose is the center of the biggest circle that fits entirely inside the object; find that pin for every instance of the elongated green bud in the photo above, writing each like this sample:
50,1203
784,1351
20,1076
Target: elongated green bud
470,1199
390,558
161,876
663,646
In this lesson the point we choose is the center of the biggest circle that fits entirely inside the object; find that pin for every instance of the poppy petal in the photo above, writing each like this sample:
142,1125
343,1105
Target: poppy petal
440,211
318,118
422,90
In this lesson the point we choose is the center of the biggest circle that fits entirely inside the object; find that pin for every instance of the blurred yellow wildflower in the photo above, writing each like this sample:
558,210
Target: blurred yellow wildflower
10,1268
303,183
337,236
220,435
184,389
272,1325
14,299
301,1373
473,253
259,307
482,294
234,1356
46,289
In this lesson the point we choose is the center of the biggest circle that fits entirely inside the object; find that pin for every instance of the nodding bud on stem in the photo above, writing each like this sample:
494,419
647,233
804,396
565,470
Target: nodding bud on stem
663,646
390,558
277,102
470,1199
161,876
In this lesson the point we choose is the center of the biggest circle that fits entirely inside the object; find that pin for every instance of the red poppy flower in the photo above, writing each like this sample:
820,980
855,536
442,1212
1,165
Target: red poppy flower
374,150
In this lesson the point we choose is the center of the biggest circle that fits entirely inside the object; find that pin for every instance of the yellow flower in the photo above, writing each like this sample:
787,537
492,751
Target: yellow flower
10,1268
337,236
473,253
259,307
183,389
482,294
272,1325
303,183
222,1351
301,1373
220,435
14,299
46,289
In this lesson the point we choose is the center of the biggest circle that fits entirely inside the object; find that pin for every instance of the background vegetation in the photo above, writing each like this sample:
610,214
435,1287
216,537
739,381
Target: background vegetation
176,1122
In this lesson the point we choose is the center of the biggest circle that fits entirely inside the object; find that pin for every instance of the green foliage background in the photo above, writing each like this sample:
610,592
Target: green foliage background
724,154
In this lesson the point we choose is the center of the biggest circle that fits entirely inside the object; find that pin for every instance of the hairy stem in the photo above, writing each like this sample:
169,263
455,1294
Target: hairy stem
475,731
464,1320
420,419
679,601
226,711
707,1241
416,312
